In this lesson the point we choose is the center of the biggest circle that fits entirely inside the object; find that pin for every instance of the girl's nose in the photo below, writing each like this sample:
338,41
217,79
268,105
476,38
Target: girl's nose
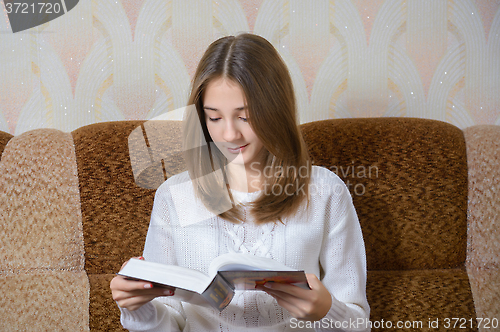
231,132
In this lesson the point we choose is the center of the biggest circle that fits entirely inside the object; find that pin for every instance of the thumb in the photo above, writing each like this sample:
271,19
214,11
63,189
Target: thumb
123,265
313,281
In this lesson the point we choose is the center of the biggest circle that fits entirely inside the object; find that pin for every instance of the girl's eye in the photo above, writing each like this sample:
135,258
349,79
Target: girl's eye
244,119
213,119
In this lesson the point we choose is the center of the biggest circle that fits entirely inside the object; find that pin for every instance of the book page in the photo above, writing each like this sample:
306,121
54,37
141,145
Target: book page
249,280
168,275
246,262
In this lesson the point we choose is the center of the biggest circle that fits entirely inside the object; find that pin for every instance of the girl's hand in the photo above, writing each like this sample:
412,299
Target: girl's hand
133,294
304,304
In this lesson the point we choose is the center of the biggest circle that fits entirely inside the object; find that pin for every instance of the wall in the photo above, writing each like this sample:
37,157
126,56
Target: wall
133,59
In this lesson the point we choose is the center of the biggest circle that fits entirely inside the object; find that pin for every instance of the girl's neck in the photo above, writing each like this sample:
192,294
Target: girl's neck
245,178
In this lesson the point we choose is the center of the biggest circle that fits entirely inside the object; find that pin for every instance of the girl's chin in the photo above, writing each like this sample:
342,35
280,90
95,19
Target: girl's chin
236,159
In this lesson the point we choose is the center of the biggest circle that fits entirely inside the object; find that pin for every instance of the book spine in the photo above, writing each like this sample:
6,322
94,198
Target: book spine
219,293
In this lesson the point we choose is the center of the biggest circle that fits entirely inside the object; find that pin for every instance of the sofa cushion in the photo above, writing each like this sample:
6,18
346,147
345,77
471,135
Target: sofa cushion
408,179
420,296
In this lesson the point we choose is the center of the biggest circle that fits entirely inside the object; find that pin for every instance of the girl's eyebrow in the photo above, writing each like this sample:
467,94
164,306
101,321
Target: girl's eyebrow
239,109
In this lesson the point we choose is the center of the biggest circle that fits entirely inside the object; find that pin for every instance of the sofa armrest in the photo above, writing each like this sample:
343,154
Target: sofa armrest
43,284
483,243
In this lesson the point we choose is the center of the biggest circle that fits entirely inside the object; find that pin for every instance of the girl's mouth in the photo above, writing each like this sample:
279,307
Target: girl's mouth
238,149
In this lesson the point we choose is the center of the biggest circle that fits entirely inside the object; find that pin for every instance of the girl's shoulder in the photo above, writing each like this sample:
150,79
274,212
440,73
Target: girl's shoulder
325,184
320,174
177,181
184,207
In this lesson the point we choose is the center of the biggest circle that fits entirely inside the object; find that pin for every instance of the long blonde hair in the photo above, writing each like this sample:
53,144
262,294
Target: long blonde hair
255,65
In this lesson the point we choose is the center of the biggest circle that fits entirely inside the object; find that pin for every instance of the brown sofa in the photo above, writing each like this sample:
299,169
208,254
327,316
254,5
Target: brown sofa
426,192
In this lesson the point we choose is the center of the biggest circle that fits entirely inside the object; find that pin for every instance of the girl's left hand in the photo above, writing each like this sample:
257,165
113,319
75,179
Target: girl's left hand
302,304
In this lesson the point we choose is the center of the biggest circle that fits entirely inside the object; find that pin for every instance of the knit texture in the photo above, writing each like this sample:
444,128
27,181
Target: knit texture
325,233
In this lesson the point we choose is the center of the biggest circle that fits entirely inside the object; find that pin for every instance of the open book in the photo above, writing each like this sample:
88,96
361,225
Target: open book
227,273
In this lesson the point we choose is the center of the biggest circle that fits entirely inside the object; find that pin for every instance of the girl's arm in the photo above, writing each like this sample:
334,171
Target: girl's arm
343,260
339,298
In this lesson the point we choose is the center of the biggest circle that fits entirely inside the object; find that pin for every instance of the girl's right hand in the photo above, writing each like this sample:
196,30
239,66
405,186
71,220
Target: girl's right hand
133,294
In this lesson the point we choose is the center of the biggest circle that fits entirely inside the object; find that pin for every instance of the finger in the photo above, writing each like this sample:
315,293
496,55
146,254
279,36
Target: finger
124,284
292,290
283,296
123,265
134,303
295,306
124,289
301,303
155,292
313,281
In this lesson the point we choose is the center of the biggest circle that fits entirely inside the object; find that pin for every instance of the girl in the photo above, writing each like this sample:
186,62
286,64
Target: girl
251,189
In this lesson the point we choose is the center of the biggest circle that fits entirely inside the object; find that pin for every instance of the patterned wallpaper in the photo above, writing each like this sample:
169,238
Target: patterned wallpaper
111,60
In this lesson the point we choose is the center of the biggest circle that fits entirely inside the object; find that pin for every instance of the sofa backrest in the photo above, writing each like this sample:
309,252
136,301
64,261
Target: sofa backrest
4,139
115,209
408,179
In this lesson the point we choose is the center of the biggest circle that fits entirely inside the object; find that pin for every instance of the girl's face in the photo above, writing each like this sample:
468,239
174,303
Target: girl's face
226,118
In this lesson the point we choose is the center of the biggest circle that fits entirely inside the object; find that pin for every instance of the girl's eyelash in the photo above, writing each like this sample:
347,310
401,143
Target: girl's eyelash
216,119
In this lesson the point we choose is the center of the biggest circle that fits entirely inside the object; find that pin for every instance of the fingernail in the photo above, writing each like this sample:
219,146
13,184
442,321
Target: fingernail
148,286
168,292
141,258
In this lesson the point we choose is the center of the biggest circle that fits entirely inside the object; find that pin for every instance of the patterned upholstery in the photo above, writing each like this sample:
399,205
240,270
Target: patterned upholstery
4,139
42,279
483,251
73,214
408,178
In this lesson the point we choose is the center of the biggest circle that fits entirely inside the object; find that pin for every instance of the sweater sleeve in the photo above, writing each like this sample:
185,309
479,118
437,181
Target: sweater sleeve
162,313
343,262
154,316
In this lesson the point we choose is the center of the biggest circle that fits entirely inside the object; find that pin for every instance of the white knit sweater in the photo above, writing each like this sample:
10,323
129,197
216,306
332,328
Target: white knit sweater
325,240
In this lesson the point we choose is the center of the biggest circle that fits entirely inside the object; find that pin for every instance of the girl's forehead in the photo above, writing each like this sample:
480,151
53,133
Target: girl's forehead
223,92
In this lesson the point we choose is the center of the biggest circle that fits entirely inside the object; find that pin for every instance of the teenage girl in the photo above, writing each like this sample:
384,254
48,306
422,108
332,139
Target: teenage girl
251,189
